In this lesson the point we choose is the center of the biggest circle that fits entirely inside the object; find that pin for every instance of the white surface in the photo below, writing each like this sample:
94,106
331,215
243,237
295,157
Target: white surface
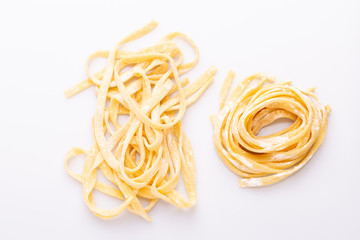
43,50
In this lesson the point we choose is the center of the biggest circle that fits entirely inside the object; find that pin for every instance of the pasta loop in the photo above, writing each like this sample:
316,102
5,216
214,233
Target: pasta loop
264,160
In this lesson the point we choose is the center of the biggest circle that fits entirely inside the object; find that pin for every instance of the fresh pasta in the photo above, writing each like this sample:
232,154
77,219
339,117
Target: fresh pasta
144,157
264,160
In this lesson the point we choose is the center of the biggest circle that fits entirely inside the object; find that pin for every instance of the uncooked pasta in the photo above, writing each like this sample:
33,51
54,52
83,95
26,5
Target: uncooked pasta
144,157
263,160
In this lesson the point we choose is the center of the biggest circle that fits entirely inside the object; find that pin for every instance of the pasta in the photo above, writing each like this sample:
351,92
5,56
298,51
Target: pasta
144,157
264,160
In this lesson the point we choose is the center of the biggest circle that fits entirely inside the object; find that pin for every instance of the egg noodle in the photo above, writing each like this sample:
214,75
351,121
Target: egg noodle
144,157
263,160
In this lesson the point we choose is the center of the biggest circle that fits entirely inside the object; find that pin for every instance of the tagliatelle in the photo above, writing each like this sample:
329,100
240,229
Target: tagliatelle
263,160
144,157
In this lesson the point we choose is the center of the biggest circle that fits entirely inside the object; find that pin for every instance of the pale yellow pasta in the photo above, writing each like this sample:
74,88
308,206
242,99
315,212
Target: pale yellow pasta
145,156
263,160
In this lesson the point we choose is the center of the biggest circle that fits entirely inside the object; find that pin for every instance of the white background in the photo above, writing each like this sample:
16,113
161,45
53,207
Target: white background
43,48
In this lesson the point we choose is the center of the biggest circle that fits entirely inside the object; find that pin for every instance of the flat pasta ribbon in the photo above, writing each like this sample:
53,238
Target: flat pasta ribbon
144,157
264,160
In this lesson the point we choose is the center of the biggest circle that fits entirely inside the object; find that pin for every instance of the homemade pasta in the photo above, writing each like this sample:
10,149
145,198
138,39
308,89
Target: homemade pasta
144,157
263,160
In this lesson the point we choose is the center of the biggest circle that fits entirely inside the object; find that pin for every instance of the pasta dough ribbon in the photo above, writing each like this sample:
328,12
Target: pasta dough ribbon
145,156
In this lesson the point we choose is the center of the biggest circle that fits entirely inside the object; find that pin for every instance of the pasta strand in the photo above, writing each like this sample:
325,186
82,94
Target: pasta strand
144,157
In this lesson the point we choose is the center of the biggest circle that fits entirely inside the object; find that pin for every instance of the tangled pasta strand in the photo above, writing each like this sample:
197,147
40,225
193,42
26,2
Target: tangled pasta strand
264,160
145,156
